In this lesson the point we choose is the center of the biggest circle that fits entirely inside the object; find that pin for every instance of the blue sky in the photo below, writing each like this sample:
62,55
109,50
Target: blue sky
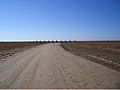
59,20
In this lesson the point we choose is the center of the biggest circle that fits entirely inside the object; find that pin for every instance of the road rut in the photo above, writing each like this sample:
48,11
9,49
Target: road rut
49,66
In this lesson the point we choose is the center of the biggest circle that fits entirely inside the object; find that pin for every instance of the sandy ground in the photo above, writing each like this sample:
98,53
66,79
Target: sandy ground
50,66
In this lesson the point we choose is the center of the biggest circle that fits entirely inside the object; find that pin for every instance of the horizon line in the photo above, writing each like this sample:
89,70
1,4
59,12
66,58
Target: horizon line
52,40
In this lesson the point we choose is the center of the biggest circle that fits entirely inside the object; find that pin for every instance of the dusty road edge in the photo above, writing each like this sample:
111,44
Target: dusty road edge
96,59
11,52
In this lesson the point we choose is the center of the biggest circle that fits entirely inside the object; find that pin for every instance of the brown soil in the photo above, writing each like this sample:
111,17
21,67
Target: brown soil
49,66
106,53
10,48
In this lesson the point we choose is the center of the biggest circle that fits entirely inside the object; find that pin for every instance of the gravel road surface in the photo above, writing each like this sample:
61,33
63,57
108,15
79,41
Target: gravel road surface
49,66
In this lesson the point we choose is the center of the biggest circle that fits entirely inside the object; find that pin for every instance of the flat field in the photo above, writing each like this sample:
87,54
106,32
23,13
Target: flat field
49,66
10,48
107,51
12,45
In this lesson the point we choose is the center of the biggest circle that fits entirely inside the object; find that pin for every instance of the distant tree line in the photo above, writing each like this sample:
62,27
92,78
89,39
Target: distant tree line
56,41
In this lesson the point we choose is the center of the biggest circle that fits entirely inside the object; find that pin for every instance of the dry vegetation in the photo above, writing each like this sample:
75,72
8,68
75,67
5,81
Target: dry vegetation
12,45
108,50
10,48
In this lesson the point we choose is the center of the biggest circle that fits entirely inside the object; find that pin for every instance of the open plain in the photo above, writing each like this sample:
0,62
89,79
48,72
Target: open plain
106,53
50,66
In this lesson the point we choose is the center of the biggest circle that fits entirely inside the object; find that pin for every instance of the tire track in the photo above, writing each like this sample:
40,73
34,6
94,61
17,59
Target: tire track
17,71
11,62
50,66
32,60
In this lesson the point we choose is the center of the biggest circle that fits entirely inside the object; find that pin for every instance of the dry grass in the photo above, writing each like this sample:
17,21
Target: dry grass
108,50
10,48
12,45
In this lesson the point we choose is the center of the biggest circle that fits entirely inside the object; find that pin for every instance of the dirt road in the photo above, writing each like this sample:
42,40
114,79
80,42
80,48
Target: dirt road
50,66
